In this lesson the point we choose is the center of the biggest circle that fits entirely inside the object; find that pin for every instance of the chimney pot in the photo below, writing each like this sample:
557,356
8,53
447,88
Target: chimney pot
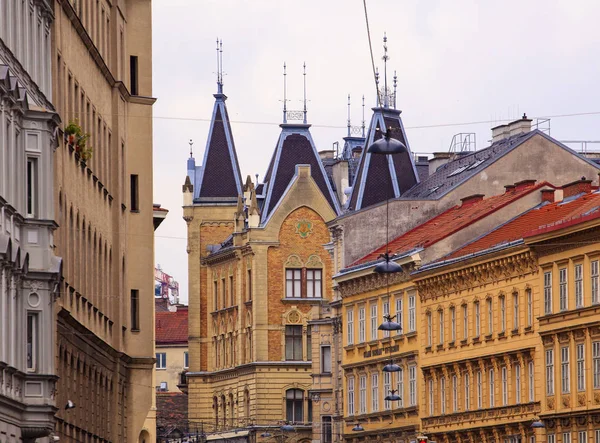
547,195
509,188
470,199
524,184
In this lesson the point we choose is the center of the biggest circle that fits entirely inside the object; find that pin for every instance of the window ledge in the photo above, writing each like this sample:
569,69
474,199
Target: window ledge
451,345
440,347
301,300
464,342
428,349
514,331
411,334
528,329
501,335
488,337
161,369
135,330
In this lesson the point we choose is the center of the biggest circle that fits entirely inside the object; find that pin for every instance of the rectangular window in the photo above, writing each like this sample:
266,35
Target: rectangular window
186,360
467,392
32,342
293,283
490,321
429,329
133,73
249,283
563,293
216,294
32,187
443,395
309,344
431,405
399,315
551,438
515,310
223,293
502,314
400,386
134,192
387,387
361,325
565,368
314,283
350,395
386,312
412,385
550,371
579,286
441,325
504,372
411,313
454,394
135,310
293,342
566,437
548,292
452,324
327,430
594,283
492,389
374,324
531,375
231,291
517,383
479,390
529,308
326,359
362,394
596,361
350,327
477,319
161,360
374,392
597,436
582,437
465,322
580,367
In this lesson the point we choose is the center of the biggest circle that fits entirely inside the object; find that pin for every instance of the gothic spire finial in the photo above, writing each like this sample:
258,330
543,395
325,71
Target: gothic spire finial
284,94
349,124
363,115
395,86
191,143
219,66
304,92
386,98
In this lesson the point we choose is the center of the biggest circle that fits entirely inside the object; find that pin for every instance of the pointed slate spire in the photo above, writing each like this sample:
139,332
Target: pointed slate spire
220,179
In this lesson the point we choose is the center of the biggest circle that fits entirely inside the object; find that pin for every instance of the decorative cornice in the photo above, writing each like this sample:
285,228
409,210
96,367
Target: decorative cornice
373,281
477,275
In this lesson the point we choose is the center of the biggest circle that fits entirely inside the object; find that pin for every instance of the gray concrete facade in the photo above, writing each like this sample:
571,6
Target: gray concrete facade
29,269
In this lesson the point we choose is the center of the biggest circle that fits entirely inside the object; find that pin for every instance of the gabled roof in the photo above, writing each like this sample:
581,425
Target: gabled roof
219,178
380,177
295,147
172,327
578,207
472,209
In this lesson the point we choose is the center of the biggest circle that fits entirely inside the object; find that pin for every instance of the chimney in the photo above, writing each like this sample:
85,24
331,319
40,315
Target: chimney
188,192
502,132
341,178
577,187
547,195
326,154
438,159
509,188
523,184
470,199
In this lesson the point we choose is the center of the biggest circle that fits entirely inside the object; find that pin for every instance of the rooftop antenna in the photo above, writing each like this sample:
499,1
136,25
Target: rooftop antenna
304,92
284,94
256,175
363,116
191,151
395,85
348,115
386,98
219,66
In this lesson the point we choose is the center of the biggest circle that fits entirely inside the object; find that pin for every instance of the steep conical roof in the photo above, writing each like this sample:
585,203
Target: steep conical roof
220,179
380,177
294,147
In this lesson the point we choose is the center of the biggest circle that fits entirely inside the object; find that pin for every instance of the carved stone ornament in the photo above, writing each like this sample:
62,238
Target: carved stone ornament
293,261
314,261
294,317
373,281
581,399
550,402
304,228
566,401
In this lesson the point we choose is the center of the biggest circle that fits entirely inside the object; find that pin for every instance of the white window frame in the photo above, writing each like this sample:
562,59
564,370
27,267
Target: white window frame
547,292
529,307
490,307
550,371
582,437
479,390
375,392
443,395
325,361
412,385
531,374
492,383
580,351
374,325
441,326
386,312
517,383
161,360
563,291
350,327
400,386
465,322
502,313
186,359
578,269
504,381
412,301
467,392
594,284
387,387
33,341
361,324
431,403
596,363
551,438
566,438
32,187
429,329
477,319
516,322
399,314
362,394
452,324
565,365
350,384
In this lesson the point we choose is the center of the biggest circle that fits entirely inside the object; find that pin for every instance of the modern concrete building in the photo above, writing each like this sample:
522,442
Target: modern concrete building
29,269
102,83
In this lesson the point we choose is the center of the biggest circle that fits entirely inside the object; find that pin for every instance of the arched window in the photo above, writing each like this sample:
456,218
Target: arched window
247,404
294,402
216,409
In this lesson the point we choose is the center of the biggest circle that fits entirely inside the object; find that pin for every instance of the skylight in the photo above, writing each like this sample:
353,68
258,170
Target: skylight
458,171
474,165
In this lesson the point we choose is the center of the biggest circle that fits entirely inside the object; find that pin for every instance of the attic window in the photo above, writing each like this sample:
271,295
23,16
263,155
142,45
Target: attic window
457,171
474,165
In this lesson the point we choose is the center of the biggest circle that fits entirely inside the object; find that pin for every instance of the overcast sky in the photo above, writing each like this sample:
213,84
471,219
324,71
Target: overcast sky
457,62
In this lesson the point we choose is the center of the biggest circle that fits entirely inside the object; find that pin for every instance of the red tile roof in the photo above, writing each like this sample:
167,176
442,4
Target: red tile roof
172,327
472,209
536,221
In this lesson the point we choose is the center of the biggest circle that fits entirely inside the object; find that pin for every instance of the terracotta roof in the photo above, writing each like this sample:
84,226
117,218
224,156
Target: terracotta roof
220,177
374,182
473,208
171,412
543,218
172,327
295,147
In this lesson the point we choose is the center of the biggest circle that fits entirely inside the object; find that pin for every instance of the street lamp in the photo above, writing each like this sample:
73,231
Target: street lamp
387,145
392,396
388,324
358,428
391,367
537,424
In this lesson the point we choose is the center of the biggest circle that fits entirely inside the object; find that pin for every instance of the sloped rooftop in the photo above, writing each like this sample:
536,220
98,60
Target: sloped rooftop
172,327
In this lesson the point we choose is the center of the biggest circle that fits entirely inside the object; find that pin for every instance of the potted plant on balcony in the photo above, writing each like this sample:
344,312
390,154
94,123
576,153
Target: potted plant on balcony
73,131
